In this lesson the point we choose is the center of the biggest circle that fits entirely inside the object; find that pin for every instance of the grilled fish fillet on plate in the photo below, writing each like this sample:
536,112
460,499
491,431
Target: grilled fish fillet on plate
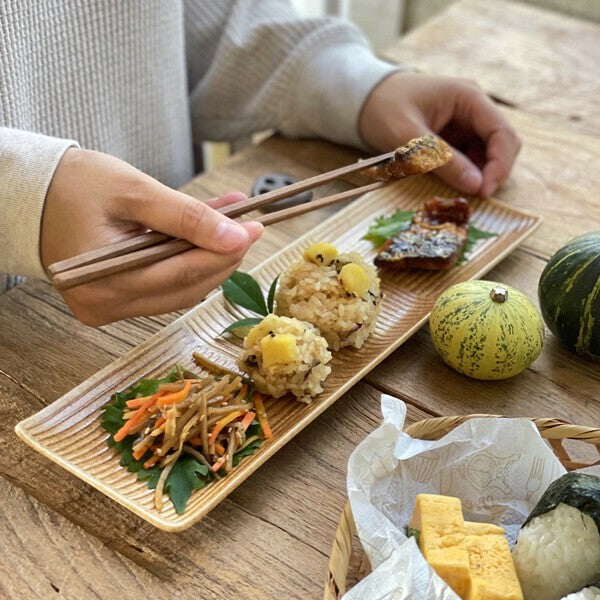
434,240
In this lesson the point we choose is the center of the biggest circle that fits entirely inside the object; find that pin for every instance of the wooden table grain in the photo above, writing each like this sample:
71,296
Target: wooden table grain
271,538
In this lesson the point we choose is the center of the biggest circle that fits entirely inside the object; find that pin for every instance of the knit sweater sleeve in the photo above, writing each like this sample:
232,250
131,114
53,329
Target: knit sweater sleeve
261,66
27,164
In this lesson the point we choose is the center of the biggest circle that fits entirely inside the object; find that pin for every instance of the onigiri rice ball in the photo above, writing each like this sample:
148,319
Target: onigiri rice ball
284,355
558,548
338,293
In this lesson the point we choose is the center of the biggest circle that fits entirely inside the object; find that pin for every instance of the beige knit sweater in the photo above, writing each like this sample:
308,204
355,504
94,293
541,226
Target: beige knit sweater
144,79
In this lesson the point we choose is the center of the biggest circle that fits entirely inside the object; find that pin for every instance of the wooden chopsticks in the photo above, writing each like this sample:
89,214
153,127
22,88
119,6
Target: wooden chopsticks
154,246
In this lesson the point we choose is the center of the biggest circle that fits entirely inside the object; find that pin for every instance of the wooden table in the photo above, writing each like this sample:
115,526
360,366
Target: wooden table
271,538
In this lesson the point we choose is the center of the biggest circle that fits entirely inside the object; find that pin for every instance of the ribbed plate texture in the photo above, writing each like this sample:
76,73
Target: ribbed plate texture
69,432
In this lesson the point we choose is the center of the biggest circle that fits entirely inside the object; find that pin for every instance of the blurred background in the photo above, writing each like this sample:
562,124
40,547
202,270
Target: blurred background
384,20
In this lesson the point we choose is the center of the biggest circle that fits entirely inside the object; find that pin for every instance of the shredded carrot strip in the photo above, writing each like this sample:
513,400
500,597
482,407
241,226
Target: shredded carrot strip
218,464
151,461
136,419
219,448
140,452
247,420
176,396
220,424
160,421
195,441
137,402
262,415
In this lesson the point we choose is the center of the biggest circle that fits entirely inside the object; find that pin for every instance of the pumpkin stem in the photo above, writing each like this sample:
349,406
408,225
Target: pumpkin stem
499,294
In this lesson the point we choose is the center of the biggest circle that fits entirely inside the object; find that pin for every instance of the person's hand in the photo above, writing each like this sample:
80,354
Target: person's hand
407,105
95,199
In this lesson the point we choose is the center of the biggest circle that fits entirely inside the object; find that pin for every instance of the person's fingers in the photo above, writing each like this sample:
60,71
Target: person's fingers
162,209
502,149
501,141
459,172
95,305
182,278
179,272
176,272
176,299
254,229
226,200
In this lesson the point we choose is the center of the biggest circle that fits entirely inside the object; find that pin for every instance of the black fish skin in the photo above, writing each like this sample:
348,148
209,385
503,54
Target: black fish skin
423,243
579,490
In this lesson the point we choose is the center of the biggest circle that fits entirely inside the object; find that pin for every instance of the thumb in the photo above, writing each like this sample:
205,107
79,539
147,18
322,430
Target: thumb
163,209
254,228
460,173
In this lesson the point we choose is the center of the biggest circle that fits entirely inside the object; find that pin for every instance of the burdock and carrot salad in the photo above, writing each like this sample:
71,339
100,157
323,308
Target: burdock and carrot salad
185,430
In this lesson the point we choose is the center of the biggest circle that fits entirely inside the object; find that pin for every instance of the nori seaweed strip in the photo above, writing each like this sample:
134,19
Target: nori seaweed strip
587,586
595,584
579,490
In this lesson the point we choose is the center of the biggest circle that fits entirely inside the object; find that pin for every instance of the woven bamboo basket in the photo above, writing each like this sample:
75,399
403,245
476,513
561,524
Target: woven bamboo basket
554,431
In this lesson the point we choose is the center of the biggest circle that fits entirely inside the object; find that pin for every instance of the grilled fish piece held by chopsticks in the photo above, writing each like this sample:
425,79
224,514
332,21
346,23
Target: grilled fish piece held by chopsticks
434,240
420,155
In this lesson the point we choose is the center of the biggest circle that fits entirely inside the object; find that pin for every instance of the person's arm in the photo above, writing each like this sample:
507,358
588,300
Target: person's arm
27,163
258,65
57,201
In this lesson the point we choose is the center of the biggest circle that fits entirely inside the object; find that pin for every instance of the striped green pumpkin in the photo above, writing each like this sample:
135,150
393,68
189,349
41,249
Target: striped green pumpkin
486,330
569,294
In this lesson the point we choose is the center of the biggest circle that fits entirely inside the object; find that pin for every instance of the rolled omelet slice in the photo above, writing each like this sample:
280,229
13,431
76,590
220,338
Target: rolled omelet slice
474,559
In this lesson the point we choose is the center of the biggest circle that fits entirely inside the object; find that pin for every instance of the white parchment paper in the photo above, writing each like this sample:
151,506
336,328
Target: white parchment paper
499,468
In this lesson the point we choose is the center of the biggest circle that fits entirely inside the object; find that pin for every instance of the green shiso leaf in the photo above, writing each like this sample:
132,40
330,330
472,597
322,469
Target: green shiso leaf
243,290
271,295
474,236
188,474
386,228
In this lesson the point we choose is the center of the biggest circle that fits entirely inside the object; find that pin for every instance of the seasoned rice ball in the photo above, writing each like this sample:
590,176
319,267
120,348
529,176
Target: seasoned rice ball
286,355
338,293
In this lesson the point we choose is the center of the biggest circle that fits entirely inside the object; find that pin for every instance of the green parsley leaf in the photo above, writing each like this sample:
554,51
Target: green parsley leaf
152,475
247,451
243,290
186,476
474,236
253,429
386,228
112,418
